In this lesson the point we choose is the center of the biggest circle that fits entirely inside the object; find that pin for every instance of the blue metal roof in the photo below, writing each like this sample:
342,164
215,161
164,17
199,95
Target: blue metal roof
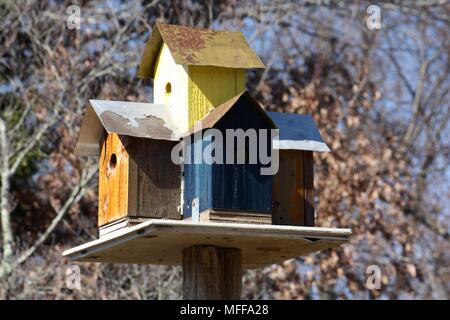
297,132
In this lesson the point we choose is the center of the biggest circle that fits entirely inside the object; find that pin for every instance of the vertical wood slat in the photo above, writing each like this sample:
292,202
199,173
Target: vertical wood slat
212,273
293,189
154,184
241,187
133,181
102,187
113,180
240,80
308,187
209,87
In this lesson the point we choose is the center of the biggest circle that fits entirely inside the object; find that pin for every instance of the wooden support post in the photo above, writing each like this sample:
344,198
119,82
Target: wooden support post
212,273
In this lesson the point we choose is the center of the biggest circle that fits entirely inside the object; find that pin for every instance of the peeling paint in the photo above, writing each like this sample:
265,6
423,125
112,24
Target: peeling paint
198,46
136,113
185,41
135,119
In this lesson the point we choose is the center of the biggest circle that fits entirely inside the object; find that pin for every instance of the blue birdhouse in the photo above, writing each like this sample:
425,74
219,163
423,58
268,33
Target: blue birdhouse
226,153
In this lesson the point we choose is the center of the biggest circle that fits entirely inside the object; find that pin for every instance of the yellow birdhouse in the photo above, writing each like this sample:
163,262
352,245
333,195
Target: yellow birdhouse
195,69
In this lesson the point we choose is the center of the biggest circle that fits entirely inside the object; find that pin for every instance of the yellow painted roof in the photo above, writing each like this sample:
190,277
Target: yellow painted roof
197,46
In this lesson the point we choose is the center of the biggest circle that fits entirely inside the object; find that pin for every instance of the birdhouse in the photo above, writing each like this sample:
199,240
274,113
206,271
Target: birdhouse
293,184
227,189
137,179
154,209
195,69
199,81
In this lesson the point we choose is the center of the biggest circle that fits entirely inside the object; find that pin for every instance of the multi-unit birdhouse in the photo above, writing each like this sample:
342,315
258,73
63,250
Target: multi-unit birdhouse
199,84
205,168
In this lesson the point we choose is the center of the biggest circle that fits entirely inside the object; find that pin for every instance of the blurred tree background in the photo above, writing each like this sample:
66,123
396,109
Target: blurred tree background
380,98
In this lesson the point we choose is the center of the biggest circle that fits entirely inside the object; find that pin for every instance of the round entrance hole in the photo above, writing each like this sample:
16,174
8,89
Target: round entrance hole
113,161
168,88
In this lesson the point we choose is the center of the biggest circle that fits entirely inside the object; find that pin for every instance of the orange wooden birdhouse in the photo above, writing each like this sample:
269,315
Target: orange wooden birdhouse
137,179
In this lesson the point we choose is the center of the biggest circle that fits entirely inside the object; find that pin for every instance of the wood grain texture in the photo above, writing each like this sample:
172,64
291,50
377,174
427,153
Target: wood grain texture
161,242
154,183
308,196
113,180
293,189
143,182
216,215
120,224
240,80
232,216
209,87
211,273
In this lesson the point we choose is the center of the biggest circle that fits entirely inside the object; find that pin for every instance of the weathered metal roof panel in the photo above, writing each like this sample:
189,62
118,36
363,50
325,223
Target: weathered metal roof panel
197,46
297,132
143,120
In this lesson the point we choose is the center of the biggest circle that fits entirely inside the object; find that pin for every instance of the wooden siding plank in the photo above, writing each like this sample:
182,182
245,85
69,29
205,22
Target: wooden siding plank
240,80
222,215
197,179
287,208
241,186
209,87
102,183
154,178
113,180
293,189
308,167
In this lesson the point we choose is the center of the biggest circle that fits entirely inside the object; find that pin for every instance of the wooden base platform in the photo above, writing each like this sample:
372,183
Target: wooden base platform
161,242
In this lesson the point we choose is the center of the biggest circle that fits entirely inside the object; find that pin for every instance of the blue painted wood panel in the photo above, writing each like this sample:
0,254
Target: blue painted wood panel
239,187
197,181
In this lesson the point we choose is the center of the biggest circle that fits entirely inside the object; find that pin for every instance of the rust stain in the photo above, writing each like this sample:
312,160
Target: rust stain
186,41
147,127
198,46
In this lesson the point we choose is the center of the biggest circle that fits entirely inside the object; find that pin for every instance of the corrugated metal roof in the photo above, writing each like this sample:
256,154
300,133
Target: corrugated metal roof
197,46
210,119
144,120
297,132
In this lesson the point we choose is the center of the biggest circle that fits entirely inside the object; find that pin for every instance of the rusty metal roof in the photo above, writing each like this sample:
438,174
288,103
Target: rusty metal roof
210,119
197,46
144,120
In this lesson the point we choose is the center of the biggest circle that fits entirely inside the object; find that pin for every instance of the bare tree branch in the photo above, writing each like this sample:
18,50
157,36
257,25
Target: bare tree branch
4,195
74,198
